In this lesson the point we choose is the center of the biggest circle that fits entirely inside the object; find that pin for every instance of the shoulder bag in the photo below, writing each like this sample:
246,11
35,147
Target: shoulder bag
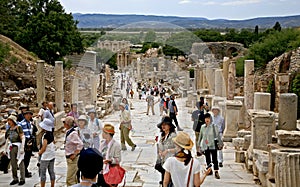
189,177
216,140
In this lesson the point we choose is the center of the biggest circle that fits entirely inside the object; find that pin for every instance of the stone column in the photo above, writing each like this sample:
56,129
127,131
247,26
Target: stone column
107,74
138,64
94,86
226,63
59,85
287,111
231,81
210,77
219,83
205,81
281,86
242,112
40,82
261,128
231,120
74,90
262,101
248,87
287,167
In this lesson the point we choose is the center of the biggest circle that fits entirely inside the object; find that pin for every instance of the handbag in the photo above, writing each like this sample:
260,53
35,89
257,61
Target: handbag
216,140
115,175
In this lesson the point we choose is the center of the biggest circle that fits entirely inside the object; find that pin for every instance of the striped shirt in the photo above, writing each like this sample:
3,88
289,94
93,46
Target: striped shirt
26,126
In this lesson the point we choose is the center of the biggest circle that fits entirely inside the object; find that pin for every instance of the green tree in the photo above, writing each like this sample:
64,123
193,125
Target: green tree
43,27
273,45
277,26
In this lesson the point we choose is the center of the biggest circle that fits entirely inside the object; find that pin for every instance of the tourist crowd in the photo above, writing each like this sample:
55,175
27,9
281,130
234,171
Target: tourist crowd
92,154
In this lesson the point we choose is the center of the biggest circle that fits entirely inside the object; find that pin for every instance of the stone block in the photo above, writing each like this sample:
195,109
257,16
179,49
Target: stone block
247,142
238,143
288,138
240,156
242,133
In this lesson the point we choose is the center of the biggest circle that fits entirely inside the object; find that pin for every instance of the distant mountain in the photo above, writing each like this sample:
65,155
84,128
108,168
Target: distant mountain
115,21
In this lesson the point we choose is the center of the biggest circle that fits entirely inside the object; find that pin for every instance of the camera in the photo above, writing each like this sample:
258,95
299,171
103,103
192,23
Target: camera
209,165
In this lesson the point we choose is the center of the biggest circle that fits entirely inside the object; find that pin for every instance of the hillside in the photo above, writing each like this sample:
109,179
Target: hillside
18,71
115,21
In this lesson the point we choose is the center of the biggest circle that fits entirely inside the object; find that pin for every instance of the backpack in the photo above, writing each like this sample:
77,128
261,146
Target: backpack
201,121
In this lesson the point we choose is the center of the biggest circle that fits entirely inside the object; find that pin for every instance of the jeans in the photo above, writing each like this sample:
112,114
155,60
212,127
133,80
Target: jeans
211,154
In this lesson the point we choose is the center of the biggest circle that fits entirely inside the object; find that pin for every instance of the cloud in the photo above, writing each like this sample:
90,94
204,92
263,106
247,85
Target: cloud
184,2
240,2
210,3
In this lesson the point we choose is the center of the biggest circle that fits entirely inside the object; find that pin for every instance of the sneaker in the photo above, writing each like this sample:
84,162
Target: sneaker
124,148
220,164
14,182
217,176
21,183
133,148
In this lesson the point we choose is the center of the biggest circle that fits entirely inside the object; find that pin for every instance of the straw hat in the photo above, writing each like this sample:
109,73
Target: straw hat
183,140
108,128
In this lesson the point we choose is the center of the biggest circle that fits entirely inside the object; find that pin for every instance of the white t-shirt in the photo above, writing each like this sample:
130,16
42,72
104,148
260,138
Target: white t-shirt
179,172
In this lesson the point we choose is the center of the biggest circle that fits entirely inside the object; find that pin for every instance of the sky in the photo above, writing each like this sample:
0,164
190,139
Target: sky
211,9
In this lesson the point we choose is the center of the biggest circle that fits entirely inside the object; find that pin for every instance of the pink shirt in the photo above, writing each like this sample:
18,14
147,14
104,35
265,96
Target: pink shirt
73,143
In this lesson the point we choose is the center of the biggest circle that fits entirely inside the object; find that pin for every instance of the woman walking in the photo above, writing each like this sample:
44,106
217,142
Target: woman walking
183,169
47,152
165,146
208,134
111,152
14,148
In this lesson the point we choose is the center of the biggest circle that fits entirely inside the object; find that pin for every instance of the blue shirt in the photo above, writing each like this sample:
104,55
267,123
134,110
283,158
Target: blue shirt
26,126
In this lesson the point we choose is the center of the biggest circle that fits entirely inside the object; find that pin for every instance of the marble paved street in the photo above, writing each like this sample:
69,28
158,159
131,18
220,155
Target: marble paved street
140,163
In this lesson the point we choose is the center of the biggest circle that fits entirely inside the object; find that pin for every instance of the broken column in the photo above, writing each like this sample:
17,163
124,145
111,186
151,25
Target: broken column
248,87
242,112
231,119
94,85
59,85
261,128
231,81
287,167
225,64
288,111
262,101
219,82
210,77
74,90
40,82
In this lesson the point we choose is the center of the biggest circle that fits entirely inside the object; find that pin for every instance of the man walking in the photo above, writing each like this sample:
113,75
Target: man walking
219,121
173,111
73,146
27,127
125,127
150,102
198,119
